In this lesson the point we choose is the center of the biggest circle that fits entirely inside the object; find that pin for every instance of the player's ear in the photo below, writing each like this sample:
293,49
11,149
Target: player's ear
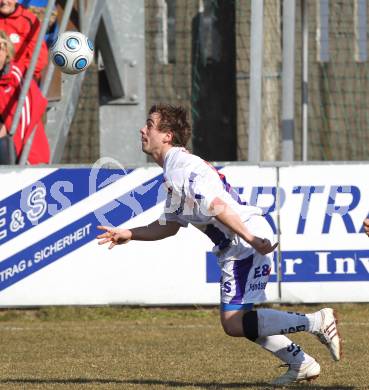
170,136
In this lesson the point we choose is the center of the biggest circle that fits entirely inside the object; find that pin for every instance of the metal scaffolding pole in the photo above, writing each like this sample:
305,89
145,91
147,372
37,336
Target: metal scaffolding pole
51,68
47,80
288,79
256,72
304,72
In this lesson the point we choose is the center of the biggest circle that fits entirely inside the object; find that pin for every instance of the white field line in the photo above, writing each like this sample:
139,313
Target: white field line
140,327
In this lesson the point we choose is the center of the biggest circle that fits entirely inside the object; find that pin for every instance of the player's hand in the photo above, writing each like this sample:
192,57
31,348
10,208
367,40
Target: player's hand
114,236
366,226
262,245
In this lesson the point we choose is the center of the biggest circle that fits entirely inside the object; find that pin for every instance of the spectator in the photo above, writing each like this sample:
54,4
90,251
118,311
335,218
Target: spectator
38,8
32,111
23,27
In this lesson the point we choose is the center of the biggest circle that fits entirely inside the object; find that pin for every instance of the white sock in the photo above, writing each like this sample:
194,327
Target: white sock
315,320
273,322
285,349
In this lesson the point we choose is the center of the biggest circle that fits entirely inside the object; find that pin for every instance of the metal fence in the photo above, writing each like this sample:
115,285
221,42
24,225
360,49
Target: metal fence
338,98
185,48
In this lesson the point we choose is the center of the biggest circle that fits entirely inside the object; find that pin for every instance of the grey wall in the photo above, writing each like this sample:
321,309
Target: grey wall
121,118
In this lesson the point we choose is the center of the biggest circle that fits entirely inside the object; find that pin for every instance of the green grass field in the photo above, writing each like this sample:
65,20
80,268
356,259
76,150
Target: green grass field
152,348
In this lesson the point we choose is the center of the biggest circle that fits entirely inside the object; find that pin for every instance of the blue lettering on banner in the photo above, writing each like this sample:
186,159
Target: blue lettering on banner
307,191
334,209
309,266
78,233
343,211
48,196
325,266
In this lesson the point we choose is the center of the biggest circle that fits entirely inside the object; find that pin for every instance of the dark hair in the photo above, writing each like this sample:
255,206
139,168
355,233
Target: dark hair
173,118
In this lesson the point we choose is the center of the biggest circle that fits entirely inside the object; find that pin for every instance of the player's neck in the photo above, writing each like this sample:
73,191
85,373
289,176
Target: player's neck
159,157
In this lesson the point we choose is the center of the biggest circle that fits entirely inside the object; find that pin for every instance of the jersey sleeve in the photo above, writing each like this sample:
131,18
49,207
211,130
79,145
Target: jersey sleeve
172,210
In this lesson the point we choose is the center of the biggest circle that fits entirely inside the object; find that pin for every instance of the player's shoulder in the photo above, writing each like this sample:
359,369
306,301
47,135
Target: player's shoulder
189,170
178,158
178,167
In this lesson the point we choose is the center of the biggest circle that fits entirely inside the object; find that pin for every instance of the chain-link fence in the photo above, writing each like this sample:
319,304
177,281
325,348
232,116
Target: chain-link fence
338,98
338,89
189,50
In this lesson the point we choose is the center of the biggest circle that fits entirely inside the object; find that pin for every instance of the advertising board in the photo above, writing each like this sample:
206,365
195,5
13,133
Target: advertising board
49,254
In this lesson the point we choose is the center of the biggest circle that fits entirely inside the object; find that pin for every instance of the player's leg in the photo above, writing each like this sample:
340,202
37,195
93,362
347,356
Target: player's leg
322,323
301,366
271,322
244,281
235,290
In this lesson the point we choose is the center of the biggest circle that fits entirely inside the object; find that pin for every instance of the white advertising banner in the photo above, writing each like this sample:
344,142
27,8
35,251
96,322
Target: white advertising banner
325,255
49,254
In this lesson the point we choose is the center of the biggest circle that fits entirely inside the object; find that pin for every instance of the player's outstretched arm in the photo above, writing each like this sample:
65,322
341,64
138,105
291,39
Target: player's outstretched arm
225,214
154,231
366,226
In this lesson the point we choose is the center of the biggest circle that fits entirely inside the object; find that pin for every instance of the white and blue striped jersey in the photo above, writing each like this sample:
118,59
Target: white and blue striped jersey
192,185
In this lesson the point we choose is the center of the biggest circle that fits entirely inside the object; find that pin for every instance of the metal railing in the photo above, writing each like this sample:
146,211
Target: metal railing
48,77
29,76
29,73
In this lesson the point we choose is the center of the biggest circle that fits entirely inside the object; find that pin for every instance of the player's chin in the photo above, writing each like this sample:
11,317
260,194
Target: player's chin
145,147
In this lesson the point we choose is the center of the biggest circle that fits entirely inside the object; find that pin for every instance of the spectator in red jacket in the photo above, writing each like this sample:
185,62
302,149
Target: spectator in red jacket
23,27
11,79
38,7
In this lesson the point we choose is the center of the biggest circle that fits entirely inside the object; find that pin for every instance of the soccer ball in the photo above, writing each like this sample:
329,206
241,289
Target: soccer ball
72,52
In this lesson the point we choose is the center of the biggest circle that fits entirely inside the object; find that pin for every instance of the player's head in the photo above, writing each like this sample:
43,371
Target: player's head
6,49
173,119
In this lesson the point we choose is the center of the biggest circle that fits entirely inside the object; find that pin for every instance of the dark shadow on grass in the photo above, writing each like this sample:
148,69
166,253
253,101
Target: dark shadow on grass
170,384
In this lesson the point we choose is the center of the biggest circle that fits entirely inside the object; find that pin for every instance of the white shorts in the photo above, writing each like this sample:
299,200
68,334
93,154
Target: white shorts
245,272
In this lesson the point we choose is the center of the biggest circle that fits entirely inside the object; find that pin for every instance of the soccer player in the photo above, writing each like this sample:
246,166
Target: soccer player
366,226
243,243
